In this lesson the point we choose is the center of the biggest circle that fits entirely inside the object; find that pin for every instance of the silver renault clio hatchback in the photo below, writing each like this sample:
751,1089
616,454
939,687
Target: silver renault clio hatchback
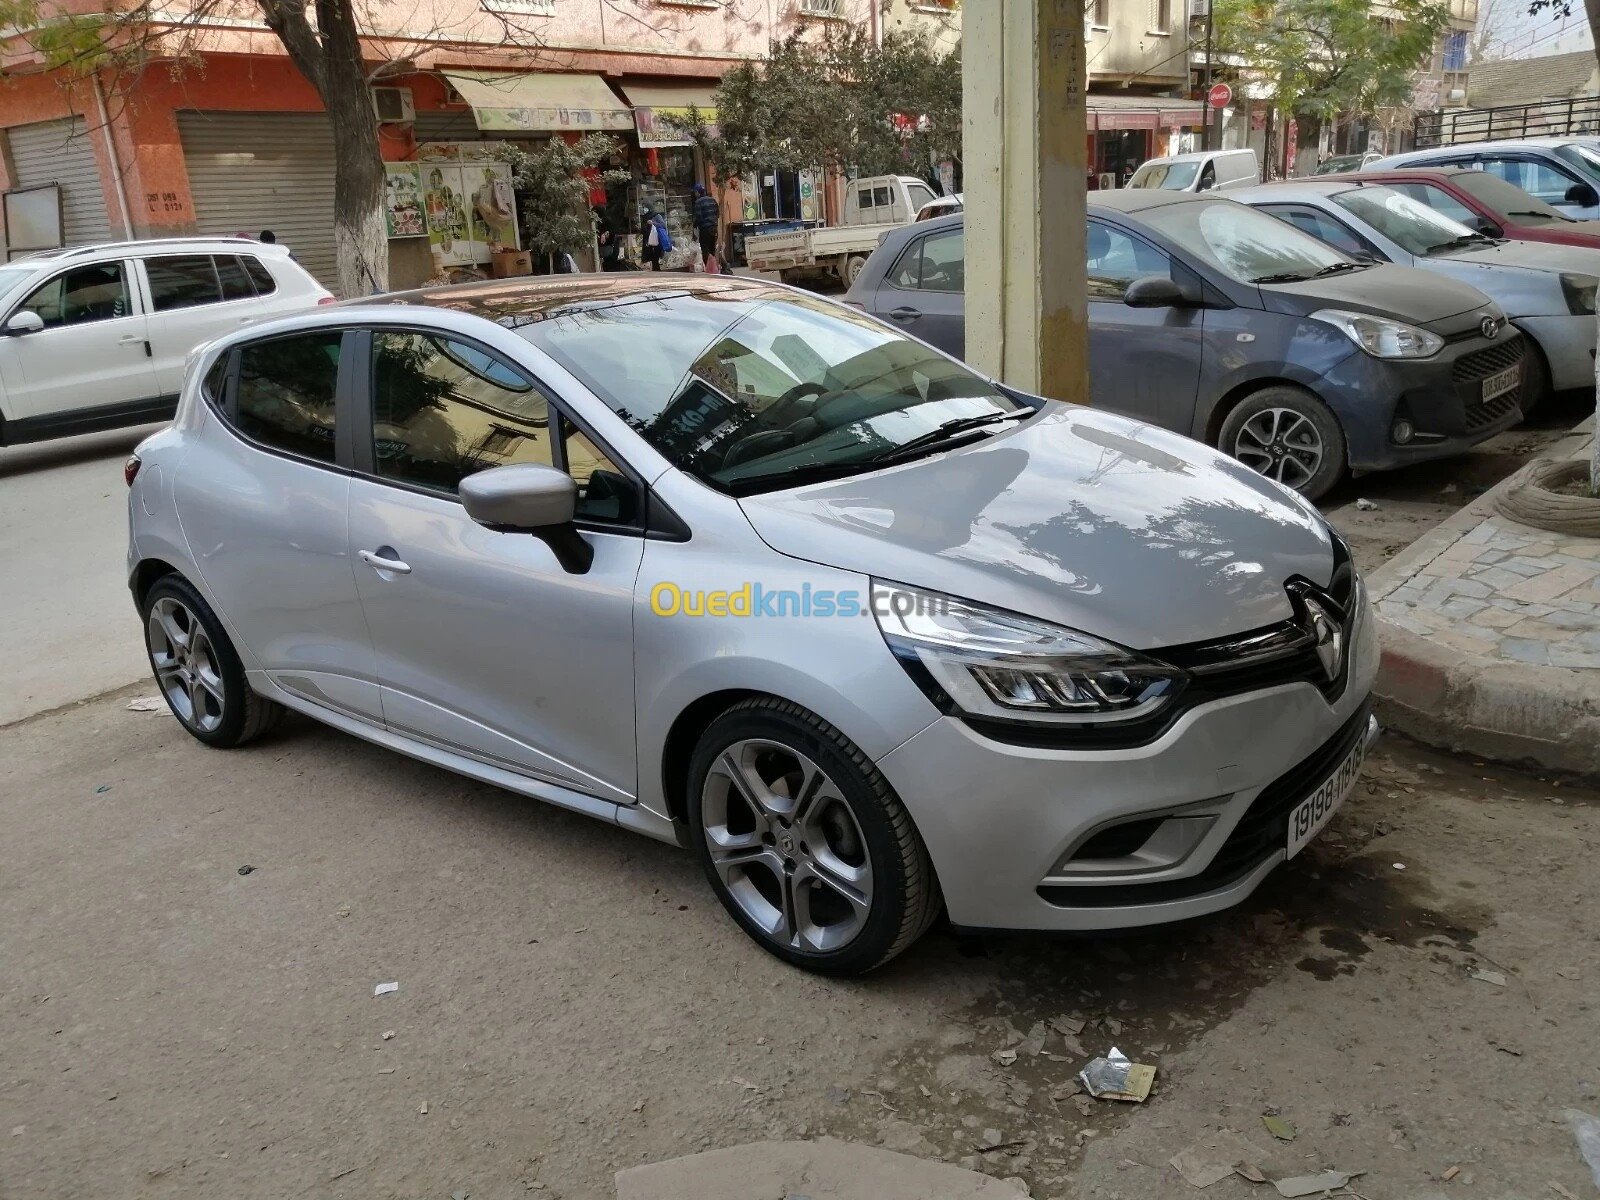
738,568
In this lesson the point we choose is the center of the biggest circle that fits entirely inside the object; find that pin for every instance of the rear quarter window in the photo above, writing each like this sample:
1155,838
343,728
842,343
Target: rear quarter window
259,275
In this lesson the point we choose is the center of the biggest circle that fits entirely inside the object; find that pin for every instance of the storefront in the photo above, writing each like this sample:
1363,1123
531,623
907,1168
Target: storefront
1125,130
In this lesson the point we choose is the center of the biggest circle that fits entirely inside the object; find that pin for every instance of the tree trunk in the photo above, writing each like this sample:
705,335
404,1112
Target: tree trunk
1308,138
359,237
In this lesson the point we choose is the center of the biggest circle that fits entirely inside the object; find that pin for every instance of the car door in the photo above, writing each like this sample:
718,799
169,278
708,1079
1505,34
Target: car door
264,503
922,292
193,299
1541,177
486,645
1144,362
92,353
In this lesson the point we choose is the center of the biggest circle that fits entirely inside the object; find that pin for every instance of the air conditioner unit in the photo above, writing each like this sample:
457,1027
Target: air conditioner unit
1199,9
394,105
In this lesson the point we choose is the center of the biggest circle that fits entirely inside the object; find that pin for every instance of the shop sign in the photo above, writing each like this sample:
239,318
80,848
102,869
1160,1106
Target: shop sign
657,127
544,120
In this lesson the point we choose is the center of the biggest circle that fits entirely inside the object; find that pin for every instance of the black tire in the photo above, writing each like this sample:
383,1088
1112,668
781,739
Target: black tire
1535,378
244,715
853,267
1240,429
904,896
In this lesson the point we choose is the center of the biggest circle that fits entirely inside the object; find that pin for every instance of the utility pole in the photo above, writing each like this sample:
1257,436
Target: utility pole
1025,132
1205,135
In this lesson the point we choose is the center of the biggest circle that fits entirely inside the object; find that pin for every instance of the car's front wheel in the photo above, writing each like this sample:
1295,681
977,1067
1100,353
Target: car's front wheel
198,670
804,841
1289,435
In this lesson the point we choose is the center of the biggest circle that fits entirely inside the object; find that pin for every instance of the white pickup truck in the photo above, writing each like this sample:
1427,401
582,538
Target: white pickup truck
872,207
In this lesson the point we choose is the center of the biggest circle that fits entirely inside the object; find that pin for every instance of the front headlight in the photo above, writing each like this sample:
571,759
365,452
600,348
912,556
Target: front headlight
1003,666
1579,292
1381,337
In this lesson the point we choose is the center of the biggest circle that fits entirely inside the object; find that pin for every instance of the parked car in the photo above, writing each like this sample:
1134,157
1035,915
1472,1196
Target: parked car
1288,355
1339,163
1547,291
1200,171
95,337
872,207
943,206
1486,203
1064,602
1564,172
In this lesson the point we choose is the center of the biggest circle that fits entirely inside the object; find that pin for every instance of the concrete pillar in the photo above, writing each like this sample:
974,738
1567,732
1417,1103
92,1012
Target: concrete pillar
1024,140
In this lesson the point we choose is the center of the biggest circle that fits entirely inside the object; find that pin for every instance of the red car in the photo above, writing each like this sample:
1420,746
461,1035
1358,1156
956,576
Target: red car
1484,202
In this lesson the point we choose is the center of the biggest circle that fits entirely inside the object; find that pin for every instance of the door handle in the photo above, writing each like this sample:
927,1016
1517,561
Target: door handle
380,560
131,339
904,314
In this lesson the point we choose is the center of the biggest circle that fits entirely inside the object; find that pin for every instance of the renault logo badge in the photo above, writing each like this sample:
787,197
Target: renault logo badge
1327,636
1489,327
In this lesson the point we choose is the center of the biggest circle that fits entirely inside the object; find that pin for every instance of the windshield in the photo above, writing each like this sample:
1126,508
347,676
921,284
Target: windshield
1417,228
1585,159
748,389
1343,162
1505,198
11,278
1242,243
1168,176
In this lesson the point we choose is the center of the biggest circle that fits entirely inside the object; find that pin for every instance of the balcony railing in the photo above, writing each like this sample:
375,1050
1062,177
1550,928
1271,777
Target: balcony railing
1548,118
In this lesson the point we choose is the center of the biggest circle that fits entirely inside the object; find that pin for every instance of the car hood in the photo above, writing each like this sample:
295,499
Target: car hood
1106,525
1544,256
1520,276
1417,297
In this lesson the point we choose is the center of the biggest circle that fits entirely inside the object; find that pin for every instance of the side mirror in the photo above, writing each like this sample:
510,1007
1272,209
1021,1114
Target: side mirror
534,499
24,321
1582,195
1154,291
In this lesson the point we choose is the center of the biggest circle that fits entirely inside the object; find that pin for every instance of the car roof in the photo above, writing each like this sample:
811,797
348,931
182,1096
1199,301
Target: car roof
1439,171
1537,143
221,244
540,297
1132,200
1298,189
1197,155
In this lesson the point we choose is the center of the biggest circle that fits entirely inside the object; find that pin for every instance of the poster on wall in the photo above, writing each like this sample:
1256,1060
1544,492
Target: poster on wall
810,202
449,230
750,197
402,200
467,203
494,206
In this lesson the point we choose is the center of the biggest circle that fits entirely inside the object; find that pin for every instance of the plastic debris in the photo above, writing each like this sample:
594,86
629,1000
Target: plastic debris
1366,505
383,989
1587,1130
1115,1077
1493,977
1313,1185
147,704
1279,1128
1399,866
387,1034
246,869
1214,1157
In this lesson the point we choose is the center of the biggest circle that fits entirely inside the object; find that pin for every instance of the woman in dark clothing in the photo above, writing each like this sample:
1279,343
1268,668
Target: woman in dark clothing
606,235
649,232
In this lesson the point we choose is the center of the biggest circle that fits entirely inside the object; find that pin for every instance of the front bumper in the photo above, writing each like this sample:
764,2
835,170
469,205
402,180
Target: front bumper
999,819
1441,397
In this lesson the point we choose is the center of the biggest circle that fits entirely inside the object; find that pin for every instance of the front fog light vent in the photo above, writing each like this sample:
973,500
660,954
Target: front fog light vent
1402,432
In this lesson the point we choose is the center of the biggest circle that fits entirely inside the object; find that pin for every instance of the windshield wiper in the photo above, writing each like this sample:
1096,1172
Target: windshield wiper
1466,239
1282,277
944,433
1338,268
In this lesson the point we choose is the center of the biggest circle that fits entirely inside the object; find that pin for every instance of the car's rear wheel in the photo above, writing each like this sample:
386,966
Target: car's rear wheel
1289,435
804,841
198,670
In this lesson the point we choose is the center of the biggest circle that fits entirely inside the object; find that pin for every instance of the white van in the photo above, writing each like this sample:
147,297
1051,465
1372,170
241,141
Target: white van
1201,171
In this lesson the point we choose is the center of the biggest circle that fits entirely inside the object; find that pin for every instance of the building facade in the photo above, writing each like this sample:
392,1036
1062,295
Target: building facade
1137,53
239,142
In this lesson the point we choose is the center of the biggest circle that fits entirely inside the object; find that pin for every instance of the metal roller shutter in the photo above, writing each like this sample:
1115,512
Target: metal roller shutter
60,152
447,127
255,171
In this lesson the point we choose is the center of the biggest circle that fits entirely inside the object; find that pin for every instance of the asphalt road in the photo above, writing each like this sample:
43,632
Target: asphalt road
67,627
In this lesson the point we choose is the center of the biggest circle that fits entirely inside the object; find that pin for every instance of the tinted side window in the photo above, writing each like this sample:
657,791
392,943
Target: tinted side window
235,283
1320,226
864,198
93,293
1541,179
604,493
935,263
259,275
285,394
1116,260
442,410
1437,199
182,281
215,378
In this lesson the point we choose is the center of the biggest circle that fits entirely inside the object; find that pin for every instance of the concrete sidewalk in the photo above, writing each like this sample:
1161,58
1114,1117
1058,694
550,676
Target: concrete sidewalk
1491,637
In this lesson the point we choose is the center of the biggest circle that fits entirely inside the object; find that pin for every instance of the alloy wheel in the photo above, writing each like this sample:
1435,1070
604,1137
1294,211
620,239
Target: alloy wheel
186,664
1281,444
786,845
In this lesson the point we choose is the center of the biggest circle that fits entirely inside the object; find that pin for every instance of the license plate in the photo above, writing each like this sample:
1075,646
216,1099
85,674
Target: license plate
1499,385
1317,809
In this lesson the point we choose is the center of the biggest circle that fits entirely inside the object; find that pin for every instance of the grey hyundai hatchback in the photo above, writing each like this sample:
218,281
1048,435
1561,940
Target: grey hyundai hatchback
741,569
1286,353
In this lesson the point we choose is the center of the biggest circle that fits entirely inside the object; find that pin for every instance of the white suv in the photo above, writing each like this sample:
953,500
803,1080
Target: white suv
96,337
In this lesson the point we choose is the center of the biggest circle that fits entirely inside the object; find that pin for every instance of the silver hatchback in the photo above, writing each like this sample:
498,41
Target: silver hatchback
741,569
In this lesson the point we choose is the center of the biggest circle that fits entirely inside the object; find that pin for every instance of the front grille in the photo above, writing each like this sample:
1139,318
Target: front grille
1480,416
1480,364
1262,831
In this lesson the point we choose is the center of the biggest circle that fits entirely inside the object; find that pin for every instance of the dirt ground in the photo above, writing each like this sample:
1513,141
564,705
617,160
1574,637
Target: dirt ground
571,1000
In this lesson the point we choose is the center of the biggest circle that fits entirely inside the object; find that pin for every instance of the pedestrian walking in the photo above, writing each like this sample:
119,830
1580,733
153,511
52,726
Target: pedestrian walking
654,237
605,234
707,215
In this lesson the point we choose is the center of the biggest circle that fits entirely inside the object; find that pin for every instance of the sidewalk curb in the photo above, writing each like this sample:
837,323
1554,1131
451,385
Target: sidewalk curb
1529,716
